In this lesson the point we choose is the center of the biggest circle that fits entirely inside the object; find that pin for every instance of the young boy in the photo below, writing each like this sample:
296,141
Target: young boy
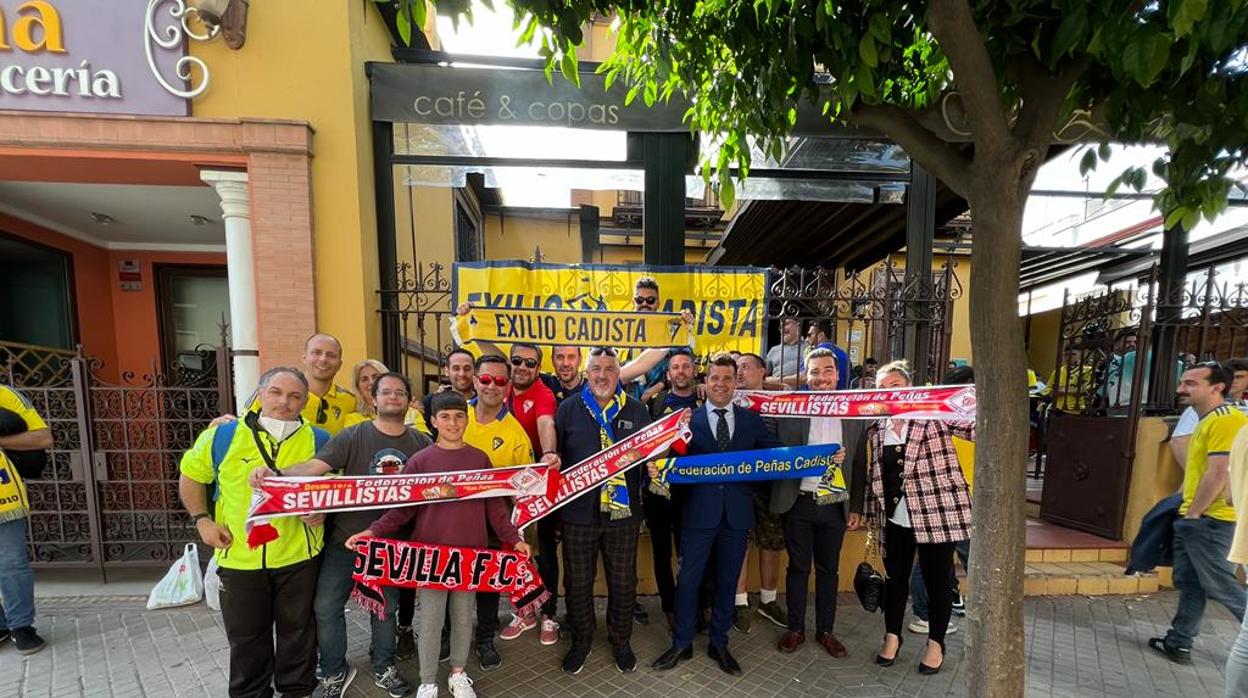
447,523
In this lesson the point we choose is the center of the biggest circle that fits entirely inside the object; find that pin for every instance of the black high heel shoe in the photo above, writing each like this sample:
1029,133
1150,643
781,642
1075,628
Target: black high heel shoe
882,661
929,670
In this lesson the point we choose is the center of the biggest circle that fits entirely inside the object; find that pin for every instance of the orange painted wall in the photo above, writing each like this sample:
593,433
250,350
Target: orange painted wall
118,327
91,288
135,313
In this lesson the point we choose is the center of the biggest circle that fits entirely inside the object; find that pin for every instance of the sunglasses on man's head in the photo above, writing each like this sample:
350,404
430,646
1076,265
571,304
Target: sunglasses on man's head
646,300
602,351
500,381
521,361
322,412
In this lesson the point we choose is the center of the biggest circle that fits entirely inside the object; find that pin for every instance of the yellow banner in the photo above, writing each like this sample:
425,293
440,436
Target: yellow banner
584,328
727,303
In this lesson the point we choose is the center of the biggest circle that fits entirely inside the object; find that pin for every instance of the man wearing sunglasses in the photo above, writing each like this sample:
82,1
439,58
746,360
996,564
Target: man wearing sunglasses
642,373
493,429
533,405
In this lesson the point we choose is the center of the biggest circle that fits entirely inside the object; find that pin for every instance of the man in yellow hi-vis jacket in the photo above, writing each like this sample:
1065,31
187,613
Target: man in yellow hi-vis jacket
273,584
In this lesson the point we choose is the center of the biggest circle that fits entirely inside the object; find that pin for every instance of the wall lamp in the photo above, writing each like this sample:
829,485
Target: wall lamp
228,16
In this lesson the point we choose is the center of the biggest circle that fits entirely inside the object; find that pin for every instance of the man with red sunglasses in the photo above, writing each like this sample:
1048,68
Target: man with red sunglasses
533,404
494,429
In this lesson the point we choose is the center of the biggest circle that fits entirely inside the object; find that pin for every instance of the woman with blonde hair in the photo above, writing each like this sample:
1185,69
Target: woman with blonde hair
363,375
918,501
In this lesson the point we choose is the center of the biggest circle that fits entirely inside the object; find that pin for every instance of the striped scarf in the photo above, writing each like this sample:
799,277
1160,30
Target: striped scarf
613,497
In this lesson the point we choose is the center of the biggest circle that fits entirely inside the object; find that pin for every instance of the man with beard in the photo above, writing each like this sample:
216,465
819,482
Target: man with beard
814,525
566,381
493,429
533,405
380,446
460,370
662,513
768,531
605,520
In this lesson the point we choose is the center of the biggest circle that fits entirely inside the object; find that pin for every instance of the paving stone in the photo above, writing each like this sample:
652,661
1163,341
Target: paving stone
1076,646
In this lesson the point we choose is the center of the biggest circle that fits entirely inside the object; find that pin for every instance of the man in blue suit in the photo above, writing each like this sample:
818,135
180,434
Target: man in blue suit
715,517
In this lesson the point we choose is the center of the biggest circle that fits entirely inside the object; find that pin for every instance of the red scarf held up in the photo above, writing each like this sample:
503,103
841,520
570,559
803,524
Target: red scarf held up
384,562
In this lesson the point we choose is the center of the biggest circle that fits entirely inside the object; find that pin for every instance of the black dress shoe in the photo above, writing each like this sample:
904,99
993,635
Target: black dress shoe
672,657
724,659
926,670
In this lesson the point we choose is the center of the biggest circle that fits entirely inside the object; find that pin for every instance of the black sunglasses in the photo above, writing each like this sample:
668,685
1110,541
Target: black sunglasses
646,300
322,412
602,351
521,361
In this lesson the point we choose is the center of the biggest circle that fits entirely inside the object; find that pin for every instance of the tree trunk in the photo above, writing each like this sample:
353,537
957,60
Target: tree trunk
998,545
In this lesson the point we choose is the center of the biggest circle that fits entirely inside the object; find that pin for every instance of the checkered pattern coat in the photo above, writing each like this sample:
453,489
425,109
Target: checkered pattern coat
937,496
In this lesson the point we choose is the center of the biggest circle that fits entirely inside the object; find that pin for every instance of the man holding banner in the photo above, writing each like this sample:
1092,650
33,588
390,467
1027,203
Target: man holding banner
377,447
716,516
605,519
815,518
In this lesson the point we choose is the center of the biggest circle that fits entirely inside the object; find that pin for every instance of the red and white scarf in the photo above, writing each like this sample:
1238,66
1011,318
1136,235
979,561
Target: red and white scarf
383,562
954,402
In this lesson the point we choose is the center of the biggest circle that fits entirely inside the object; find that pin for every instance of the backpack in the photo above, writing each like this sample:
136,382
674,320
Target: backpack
224,436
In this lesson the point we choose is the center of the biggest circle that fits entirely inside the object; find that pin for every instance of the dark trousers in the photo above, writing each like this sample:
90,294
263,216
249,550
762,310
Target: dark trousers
696,545
663,522
333,588
548,561
1201,573
407,607
812,532
936,560
487,616
252,603
618,545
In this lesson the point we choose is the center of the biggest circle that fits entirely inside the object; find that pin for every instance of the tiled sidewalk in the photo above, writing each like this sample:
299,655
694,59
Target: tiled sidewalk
1078,647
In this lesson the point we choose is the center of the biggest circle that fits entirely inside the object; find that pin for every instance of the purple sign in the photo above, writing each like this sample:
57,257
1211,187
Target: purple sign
97,56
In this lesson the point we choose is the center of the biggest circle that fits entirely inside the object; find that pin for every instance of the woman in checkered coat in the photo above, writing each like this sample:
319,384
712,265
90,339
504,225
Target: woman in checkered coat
918,502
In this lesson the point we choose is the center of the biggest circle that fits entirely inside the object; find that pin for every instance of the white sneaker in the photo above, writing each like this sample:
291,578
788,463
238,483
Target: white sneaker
918,626
951,629
427,690
461,685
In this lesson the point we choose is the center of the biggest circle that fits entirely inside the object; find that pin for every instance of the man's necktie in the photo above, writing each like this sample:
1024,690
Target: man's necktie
722,438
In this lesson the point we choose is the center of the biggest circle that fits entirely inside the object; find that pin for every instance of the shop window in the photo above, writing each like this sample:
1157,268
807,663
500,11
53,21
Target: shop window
193,302
36,294
469,246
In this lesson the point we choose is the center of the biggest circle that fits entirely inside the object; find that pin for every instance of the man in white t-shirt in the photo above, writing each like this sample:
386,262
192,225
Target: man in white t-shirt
1189,419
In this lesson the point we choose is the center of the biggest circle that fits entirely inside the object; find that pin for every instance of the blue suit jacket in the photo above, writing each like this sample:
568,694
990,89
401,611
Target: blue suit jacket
705,505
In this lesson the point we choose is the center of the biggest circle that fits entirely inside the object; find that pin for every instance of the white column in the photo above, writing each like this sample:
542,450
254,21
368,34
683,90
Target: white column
235,196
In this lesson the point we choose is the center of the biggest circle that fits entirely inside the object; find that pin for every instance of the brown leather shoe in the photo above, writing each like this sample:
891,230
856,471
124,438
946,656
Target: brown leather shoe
832,645
789,643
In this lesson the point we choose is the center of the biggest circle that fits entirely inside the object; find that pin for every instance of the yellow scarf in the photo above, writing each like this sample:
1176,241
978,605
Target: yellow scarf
13,502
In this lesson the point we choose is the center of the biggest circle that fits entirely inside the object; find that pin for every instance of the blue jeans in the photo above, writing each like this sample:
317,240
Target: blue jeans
17,581
333,588
918,590
1202,572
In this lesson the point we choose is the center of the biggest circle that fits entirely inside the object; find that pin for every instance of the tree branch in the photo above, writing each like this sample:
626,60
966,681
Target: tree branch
976,80
1044,95
941,158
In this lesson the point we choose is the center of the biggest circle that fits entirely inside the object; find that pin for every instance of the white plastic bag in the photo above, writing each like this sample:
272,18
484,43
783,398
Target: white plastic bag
183,584
212,586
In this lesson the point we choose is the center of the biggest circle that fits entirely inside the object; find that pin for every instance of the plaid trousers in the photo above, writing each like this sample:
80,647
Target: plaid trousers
581,545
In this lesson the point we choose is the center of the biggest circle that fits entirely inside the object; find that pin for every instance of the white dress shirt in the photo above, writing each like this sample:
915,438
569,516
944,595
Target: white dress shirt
901,515
822,431
713,419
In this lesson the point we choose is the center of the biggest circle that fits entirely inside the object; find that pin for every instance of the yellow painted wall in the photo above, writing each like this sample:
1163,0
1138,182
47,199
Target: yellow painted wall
960,340
309,66
1042,345
516,236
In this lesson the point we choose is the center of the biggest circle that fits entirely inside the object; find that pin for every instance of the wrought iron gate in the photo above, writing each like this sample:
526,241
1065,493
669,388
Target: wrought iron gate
872,310
110,494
